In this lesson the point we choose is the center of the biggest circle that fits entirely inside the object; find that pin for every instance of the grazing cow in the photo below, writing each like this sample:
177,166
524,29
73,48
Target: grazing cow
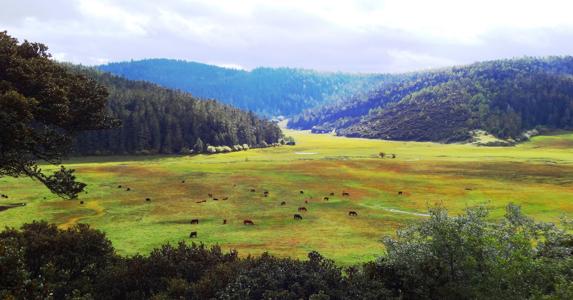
81,202
345,194
248,222
147,199
306,201
352,213
195,221
226,198
301,192
119,186
469,189
252,190
331,194
128,189
297,217
326,198
182,181
210,195
302,208
193,234
215,199
202,201
393,155
266,192
224,221
283,203
400,193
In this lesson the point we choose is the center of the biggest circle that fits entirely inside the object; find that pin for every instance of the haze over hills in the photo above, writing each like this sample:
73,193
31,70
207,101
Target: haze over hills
265,91
502,97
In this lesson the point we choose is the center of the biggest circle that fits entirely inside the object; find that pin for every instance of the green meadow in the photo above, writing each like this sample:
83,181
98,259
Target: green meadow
538,175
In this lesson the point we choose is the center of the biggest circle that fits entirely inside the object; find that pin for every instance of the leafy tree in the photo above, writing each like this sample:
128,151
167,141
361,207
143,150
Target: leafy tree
42,106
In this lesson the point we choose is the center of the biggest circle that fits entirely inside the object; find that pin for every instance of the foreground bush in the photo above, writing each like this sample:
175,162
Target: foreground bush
443,257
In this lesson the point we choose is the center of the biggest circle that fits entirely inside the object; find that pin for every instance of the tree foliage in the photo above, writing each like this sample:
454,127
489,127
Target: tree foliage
158,120
42,107
504,98
265,91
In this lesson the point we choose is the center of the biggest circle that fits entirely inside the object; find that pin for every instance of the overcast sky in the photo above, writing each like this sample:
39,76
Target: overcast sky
330,35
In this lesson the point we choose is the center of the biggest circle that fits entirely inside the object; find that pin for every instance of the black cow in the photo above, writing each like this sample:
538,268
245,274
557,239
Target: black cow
400,193
81,202
195,221
226,198
301,192
193,234
326,198
297,217
345,194
147,199
352,213
224,221
283,203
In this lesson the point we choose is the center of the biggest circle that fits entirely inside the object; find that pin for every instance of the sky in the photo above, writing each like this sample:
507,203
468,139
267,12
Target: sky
384,36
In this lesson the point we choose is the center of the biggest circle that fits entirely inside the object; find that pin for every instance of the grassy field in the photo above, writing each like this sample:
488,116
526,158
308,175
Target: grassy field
538,175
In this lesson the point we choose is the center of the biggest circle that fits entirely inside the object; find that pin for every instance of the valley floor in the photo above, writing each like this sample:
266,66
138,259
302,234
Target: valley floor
537,175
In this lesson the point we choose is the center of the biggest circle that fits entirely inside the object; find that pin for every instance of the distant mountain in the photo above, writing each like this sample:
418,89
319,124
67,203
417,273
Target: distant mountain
158,120
502,97
265,91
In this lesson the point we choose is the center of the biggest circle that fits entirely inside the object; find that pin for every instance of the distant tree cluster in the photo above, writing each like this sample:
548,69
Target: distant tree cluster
504,98
158,120
265,91
443,257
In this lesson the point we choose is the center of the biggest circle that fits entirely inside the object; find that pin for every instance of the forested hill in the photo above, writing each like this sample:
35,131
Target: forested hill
265,91
159,120
502,97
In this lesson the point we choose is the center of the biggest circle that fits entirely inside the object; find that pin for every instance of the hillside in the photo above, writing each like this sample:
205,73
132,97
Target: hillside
158,120
265,91
503,97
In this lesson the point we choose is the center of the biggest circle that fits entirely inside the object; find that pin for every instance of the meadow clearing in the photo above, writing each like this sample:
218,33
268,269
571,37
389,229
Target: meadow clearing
537,175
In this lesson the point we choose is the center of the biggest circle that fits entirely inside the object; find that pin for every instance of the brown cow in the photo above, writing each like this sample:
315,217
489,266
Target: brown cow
182,181
215,199
297,217
226,198
326,198
248,222
193,234
331,194
306,201
283,203
266,192
128,189
352,213
224,221
302,208
345,194
252,190
400,193
202,201
195,221
210,195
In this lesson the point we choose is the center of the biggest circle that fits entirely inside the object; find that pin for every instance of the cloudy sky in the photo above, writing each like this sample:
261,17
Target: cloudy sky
330,35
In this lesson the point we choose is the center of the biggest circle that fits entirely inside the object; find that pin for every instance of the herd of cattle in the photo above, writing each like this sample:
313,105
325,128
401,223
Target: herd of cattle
297,216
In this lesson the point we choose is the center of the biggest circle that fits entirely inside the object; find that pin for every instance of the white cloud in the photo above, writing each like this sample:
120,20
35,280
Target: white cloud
361,35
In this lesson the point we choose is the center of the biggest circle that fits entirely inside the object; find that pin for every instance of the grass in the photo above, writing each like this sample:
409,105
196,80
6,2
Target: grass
538,175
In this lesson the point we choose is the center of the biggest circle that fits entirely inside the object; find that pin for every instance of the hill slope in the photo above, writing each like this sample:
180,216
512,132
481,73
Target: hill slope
265,91
159,120
504,97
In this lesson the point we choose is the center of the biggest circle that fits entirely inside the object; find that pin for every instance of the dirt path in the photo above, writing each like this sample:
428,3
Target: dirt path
93,205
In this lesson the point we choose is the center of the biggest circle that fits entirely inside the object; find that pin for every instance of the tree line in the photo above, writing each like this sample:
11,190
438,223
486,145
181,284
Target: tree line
265,91
503,97
156,120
